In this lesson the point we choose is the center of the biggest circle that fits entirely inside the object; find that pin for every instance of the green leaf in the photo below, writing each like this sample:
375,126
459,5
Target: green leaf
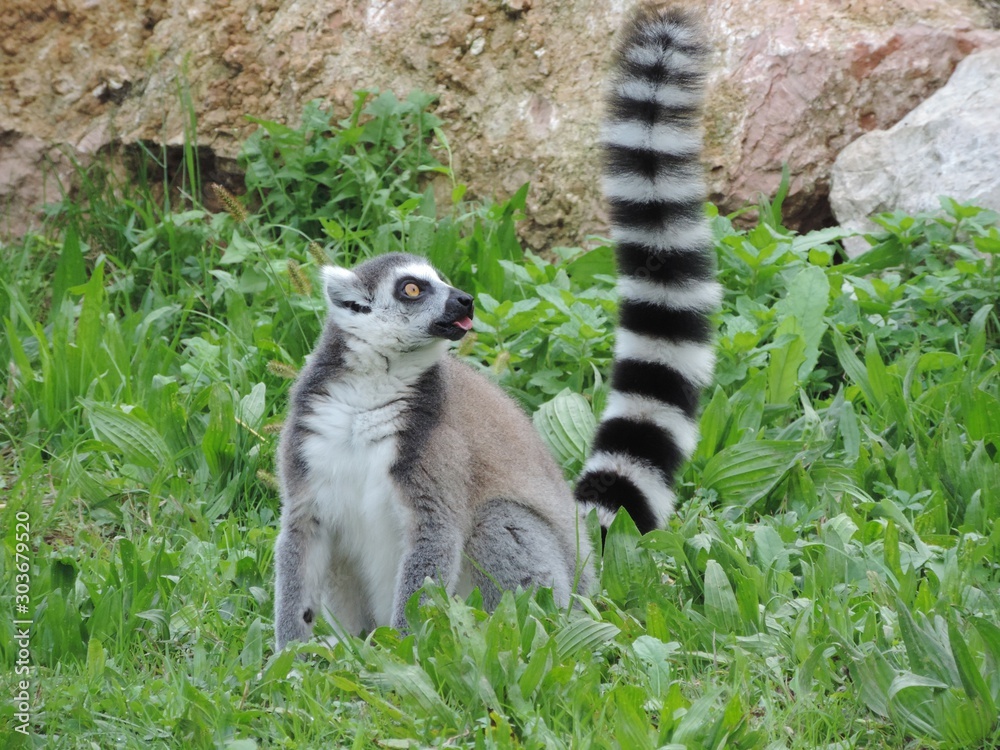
769,548
252,655
632,725
850,432
972,680
932,361
251,408
539,663
96,659
696,723
967,723
597,262
890,549
626,564
279,666
90,326
714,424
721,608
567,425
415,688
927,653
134,438
910,698
980,412
238,250
802,311
583,634
853,367
990,634
878,376
70,270
871,672
805,242
332,228
218,441
746,472
977,334
783,369
655,655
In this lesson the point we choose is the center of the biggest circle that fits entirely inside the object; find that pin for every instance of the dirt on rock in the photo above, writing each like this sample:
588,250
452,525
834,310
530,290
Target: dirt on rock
518,83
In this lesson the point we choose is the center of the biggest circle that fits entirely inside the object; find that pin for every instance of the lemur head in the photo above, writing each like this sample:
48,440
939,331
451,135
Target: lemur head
396,303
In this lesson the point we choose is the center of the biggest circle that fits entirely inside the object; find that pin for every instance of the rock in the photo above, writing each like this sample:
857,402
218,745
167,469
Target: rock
948,146
21,176
517,82
799,81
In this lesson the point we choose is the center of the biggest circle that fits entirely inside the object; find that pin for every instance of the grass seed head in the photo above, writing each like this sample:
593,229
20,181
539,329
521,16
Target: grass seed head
318,254
268,479
233,207
282,370
300,282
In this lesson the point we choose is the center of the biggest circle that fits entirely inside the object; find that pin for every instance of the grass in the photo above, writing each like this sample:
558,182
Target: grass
830,579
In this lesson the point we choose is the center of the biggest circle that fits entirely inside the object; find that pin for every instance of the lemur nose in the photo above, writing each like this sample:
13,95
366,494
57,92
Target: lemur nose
459,302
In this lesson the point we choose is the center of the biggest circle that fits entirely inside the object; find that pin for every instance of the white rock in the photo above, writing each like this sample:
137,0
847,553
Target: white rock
948,146
792,82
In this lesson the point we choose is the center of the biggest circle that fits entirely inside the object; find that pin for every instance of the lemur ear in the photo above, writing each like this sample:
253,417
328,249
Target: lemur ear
343,290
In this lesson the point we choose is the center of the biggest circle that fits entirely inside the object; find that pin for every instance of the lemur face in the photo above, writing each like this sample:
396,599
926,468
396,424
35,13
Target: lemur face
397,303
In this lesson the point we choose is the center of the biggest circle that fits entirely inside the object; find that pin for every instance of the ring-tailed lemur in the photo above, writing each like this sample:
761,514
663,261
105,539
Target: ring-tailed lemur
398,462
655,186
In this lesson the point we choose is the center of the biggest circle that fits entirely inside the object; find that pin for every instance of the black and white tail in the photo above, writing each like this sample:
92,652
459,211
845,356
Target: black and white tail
655,187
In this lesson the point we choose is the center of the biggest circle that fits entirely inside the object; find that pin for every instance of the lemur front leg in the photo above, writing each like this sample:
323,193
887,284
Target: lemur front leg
313,579
295,595
434,550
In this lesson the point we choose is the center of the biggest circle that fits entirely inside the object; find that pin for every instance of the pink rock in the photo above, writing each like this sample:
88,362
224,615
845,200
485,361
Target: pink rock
799,90
518,83
947,146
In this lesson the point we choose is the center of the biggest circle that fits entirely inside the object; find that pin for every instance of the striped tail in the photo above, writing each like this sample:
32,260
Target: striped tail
655,186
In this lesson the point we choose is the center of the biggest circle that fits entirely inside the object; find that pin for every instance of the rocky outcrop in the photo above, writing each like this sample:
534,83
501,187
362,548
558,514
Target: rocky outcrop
947,146
517,82
802,80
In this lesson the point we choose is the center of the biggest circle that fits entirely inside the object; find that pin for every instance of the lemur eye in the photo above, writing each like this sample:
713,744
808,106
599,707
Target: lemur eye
411,290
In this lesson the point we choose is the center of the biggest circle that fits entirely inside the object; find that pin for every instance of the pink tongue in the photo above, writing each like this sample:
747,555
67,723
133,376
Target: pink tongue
465,323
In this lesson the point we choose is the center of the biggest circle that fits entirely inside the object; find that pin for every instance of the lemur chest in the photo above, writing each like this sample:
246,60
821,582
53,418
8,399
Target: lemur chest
350,449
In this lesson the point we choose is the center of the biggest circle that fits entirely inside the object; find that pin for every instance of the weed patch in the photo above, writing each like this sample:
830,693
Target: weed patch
829,581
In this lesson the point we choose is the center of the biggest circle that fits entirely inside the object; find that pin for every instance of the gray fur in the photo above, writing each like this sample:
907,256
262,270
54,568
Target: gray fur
399,462
514,548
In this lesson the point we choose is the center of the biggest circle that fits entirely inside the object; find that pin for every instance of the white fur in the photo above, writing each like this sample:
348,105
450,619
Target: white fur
668,186
695,234
350,456
703,296
645,55
695,362
385,296
676,140
380,352
667,417
666,94
604,515
649,481
337,275
679,34
672,57
419,271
